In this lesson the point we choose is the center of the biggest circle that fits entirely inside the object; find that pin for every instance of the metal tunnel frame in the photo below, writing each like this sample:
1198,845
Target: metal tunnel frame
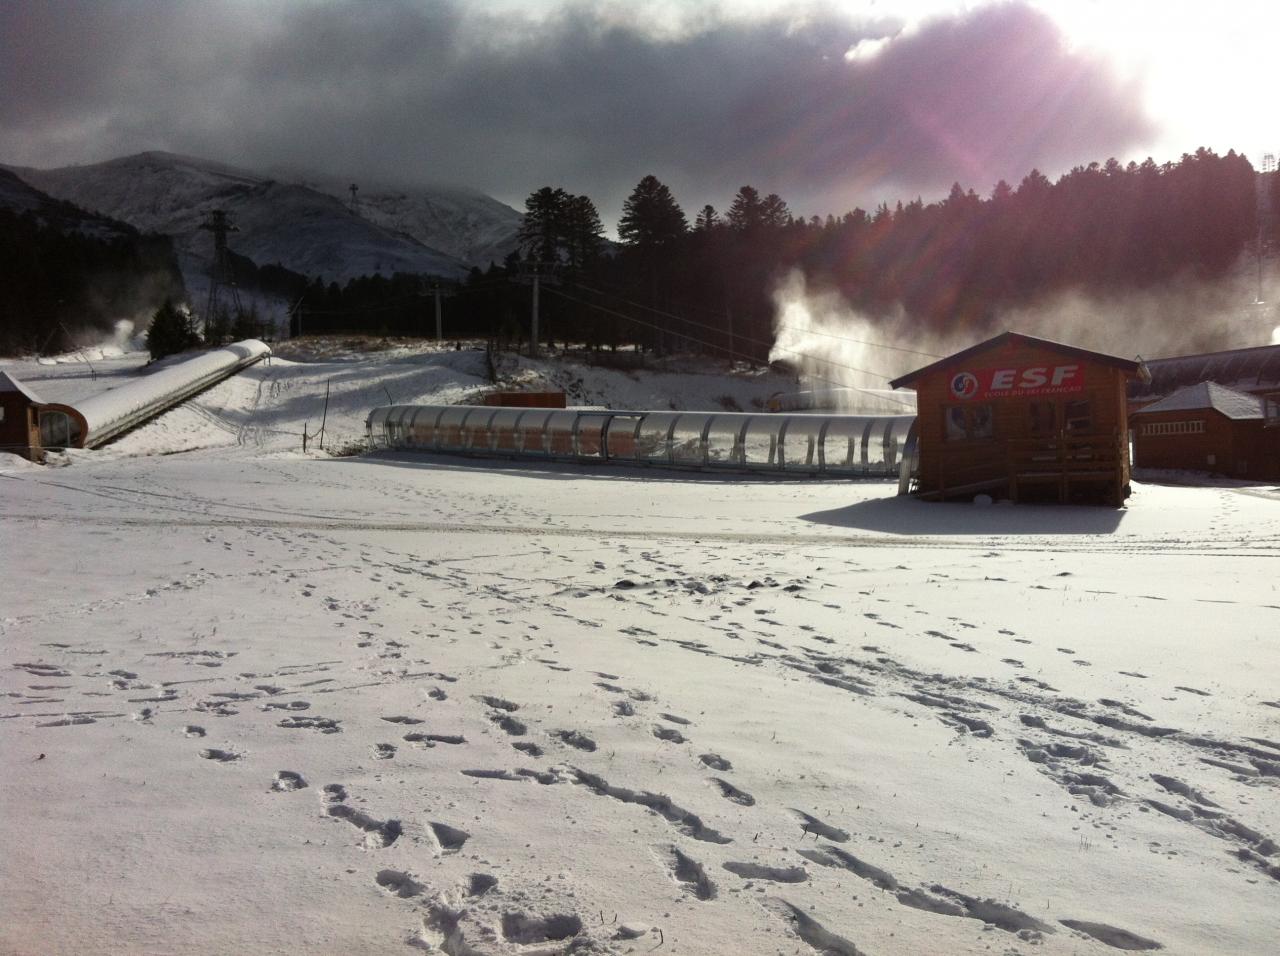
102,417
836,445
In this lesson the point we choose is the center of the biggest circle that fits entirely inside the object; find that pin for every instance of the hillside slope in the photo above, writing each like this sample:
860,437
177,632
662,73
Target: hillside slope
466,224
298,227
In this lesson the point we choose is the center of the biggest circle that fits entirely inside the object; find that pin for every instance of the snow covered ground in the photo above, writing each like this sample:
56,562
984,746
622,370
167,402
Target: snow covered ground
262,702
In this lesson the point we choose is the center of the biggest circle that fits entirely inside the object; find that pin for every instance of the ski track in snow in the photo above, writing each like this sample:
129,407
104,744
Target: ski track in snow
544,735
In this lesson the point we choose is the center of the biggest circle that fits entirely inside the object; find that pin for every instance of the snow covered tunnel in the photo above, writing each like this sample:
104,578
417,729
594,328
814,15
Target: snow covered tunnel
836,445
99,418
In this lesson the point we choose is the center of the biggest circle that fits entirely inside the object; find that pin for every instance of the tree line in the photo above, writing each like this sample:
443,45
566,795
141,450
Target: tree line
62,272
705,282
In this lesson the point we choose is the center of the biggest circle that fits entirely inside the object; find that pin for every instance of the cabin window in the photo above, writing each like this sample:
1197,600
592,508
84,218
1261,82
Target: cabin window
1150,429
55,429
966,422
1077,416
1044,418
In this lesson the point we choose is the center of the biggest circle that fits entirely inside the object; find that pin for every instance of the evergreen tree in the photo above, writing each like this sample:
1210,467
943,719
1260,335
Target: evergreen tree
707,219
170,332
747,212
774,212
217,325
584,232
543,228
248,324
651,217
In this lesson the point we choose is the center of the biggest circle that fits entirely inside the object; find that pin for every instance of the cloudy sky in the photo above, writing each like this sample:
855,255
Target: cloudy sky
831,104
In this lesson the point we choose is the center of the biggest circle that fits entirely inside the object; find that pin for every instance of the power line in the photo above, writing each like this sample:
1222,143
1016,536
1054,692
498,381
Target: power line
877,345
710,345
830,335
745,338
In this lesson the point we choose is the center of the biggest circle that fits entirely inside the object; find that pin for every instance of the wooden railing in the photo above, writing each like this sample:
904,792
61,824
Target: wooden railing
1069,453
1065,461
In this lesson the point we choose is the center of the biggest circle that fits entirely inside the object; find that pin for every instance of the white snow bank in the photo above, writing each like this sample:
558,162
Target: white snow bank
108,413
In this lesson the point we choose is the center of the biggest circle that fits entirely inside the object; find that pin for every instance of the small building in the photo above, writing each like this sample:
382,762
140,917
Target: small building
1026,418
1271,410
512,399
1254,370
19,418
1208,427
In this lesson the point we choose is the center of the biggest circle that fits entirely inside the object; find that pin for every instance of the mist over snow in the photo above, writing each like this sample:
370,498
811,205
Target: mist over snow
832,343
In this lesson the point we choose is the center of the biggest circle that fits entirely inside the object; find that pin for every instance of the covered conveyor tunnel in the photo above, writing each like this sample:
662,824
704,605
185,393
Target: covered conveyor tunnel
102,417
834,445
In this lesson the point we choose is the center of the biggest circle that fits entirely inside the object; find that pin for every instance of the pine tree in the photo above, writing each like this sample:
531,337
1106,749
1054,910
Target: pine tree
584,232
774,211
542,230
747,212
217,325
651,217
707,219
170,332
248,324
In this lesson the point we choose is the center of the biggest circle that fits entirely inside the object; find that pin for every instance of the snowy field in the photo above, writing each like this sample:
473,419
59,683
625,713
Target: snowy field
262,702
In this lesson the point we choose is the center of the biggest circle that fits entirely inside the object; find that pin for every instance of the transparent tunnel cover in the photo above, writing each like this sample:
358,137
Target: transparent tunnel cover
801,444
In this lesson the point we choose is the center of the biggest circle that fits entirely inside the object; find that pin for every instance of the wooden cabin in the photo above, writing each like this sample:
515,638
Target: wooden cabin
1023,418
19,419
1211,428
1254,371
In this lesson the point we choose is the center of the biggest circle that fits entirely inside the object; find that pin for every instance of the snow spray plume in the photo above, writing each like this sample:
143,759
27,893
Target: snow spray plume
832,344
1183,316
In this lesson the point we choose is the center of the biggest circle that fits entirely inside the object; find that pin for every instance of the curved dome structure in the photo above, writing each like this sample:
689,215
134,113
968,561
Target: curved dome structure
102,417
832,445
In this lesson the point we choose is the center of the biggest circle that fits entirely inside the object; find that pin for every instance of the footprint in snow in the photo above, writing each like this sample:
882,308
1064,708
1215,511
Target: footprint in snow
221,756
287,781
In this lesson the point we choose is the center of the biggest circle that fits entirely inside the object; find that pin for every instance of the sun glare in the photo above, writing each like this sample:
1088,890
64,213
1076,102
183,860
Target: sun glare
1204,73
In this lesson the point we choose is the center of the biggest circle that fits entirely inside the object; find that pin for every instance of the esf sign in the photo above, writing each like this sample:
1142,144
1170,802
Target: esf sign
987,383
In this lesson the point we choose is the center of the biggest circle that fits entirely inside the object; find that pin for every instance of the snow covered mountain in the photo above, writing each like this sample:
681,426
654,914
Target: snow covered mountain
17,195
305,229
468,225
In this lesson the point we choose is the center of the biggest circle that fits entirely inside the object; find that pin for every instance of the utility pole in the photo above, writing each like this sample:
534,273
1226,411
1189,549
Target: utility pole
439,293
354,205
295,313
1264,208
439,323
536,273
533,343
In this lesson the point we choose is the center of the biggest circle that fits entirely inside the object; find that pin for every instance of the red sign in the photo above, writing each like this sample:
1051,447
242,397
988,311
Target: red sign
988,383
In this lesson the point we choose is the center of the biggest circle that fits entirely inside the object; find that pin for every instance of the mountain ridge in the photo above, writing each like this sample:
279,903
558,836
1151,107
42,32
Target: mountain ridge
302,225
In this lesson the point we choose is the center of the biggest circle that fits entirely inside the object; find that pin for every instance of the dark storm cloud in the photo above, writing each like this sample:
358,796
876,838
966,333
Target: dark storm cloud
435,91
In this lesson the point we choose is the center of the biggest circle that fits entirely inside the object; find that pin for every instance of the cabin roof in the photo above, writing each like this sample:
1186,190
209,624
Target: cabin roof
1128,366
1238,406
1250,369
10,384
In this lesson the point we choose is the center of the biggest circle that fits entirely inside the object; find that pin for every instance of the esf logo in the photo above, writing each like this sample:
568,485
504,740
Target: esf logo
1030,379
964,385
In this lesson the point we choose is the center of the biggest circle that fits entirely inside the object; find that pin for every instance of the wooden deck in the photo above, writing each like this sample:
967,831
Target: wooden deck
1064,469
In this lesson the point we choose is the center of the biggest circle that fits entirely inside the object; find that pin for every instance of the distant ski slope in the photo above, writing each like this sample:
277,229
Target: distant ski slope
302,228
